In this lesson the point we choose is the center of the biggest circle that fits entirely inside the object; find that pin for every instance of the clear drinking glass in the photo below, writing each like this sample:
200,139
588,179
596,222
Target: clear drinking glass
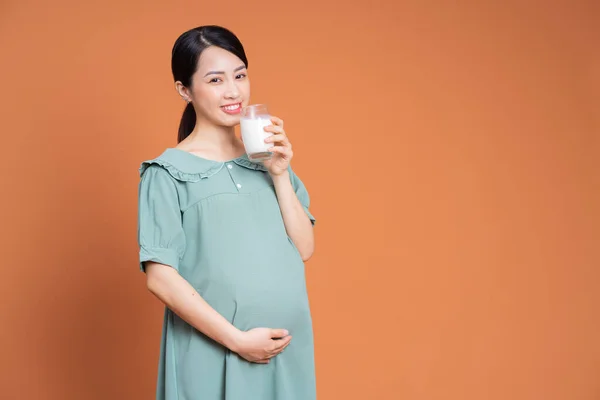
253,121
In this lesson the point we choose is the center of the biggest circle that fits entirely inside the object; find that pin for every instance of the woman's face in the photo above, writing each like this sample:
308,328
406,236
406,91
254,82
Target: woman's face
220,87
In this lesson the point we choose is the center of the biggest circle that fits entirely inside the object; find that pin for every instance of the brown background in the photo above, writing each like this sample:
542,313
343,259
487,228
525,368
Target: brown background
451,151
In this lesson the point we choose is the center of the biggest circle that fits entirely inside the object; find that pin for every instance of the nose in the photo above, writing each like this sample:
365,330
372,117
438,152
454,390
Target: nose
232,91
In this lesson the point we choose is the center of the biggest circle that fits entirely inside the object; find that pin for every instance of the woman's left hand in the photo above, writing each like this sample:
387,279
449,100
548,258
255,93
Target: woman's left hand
281,148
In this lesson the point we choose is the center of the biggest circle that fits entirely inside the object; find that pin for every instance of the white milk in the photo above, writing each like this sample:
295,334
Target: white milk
254,135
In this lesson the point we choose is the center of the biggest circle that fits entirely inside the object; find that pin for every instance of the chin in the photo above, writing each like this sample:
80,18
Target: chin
231,121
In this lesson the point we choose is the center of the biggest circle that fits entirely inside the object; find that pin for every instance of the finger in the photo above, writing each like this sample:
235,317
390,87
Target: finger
283,150
283,347
278,333
274,129
282,138
277,121
278,350
280,344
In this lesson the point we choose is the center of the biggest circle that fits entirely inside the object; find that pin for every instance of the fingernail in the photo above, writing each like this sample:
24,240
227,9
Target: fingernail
285,332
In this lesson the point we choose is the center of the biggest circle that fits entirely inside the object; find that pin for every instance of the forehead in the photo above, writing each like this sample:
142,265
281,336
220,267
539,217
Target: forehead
215,58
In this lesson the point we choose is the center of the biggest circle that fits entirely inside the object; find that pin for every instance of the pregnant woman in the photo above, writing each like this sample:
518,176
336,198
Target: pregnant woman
223,242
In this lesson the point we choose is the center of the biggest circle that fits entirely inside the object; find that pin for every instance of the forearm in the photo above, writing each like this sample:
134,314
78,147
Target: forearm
180,297
297,223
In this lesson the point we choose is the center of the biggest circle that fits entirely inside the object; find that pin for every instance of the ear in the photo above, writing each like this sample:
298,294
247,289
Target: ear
184,93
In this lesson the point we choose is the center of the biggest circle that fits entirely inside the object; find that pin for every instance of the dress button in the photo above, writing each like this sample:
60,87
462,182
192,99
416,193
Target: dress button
239,186
229,166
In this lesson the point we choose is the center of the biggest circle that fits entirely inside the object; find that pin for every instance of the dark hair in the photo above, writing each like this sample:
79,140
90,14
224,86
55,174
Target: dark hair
184,62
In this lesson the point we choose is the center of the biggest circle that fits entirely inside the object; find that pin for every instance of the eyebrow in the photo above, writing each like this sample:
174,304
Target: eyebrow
223,72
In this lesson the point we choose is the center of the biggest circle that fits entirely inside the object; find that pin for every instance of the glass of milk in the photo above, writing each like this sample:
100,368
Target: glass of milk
254,119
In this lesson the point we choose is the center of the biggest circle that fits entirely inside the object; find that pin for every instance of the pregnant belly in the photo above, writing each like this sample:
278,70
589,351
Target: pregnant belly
274,300
253,284
274,309
269,309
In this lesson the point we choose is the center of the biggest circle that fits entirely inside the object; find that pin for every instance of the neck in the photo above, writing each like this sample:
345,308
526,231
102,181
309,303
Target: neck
213,141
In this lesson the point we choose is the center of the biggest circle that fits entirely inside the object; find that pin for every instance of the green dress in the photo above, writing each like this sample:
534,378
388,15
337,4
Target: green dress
219,225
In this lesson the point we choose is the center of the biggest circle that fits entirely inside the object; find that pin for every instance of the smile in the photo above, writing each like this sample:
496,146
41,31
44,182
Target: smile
233,108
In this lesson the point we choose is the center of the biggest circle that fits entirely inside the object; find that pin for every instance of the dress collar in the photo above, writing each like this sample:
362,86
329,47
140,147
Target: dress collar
188,167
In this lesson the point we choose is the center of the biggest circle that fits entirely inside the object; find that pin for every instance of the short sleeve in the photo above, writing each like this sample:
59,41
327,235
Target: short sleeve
161,238
302,194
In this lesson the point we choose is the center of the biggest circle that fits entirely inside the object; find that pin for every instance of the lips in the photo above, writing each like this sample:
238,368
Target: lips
232,108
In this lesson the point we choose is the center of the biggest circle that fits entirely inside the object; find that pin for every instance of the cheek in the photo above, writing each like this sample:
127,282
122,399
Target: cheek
245,89
208,96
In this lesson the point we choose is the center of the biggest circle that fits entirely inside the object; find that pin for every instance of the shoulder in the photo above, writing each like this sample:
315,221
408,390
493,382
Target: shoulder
172,164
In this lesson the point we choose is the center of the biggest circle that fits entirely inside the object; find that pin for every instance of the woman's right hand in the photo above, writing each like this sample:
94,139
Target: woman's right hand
259,345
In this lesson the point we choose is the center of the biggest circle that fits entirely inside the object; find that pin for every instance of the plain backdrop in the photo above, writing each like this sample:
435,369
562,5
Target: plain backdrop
451,150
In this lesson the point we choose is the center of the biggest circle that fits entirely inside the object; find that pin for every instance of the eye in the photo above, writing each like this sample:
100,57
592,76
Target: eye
240,76
214,80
